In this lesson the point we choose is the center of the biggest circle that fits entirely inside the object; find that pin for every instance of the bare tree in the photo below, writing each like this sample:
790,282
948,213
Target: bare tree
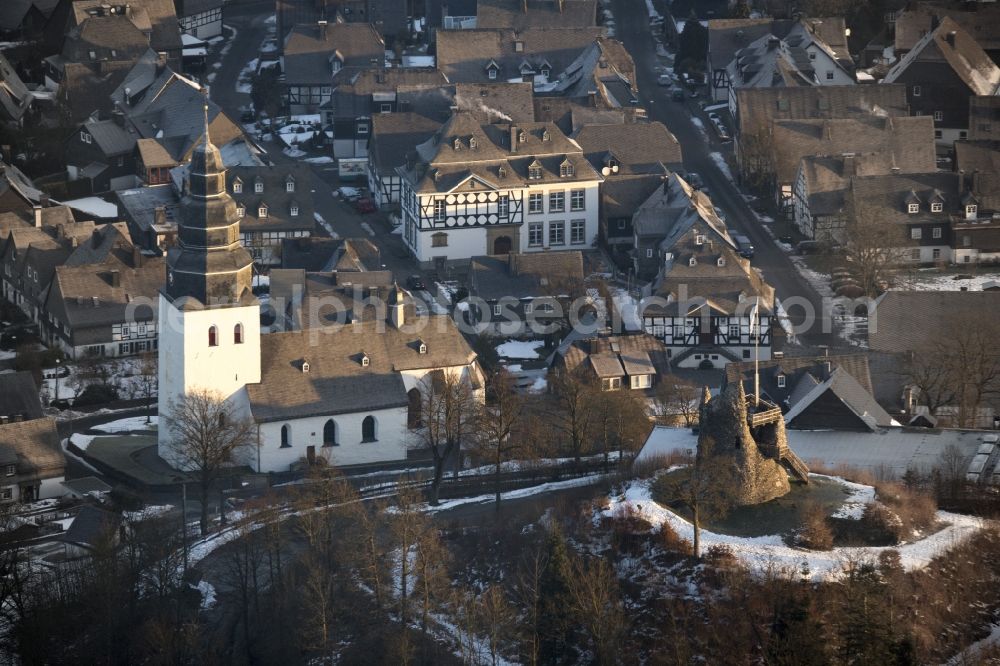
756,154
597,605
497,420
622,421
146,380
571,412
678,397
706,487
497,618
206,436
448,410
874,249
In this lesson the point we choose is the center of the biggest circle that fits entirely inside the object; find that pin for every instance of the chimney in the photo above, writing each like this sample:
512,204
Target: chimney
772,43
43,200
513,138
321,29
116,278
37,210
850,165
160,215
827,369
136,257
950,38
161,62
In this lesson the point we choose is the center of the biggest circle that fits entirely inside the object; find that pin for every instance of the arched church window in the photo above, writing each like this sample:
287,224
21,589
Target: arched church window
330,433
213,336
368,429
286,436
238,334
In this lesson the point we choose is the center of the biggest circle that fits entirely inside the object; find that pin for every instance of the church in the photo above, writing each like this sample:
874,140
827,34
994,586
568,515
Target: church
348,393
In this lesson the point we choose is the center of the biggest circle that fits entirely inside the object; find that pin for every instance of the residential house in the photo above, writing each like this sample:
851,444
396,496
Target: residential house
798,59
200,18
320,254
92,528
157,19
476,189
617,362
31,460
19,398
896,140
976,233
273,203
151,214
313,54
941,73
101,155
453,15
661,219
24,17
105,308
393,136
526,295
984,118
902,323
819,204
318,299
527,14
359,94
725,38
922,207
15,98
917,20
17,192
816,393
634,159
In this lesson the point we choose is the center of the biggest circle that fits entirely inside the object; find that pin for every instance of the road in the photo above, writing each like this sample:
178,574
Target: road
633,31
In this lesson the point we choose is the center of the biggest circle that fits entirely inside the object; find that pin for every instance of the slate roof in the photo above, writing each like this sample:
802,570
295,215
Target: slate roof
156,17
673,209
140,205
854,364
33,446
915,21
966,58
13,13
572,114
337,382
110,137
727,36
885,198
616,356
984,118
981,161
274,196
622,195
19,396
393,135
492,102
90,526
105,241
722,289
757,107
463,55
356,87
539,14
526,275
901,141
907,321
309,49
640,148
15,100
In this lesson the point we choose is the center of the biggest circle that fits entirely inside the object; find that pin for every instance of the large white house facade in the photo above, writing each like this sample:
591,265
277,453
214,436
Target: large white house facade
493,189
350,395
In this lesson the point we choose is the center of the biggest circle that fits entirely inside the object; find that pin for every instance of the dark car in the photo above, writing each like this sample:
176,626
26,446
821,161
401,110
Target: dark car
415,283
744,246
677,95
364,205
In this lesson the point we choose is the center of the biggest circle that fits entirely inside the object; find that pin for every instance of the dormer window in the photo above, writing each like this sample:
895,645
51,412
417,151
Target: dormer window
699,240
545,135
518,46
305,366
535,171
294,210
472,143
365,360
237,186
937,207
457,144
781,381
913,208
545,72
241,210
522,136
502,172
720,262
491,73
258,186
422,348
692,262
289,185
970,210
566,169
262,211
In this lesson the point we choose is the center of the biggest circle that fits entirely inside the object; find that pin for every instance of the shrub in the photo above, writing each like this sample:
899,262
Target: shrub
721,556
96,394
629,531
815,533
882,522
915,510
671,541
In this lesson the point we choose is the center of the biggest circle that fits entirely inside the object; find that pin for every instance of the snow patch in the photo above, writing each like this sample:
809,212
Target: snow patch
127,425
723,166
524,349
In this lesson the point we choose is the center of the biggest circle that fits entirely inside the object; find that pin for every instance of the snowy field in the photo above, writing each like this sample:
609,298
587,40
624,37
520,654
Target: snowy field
524,349
768,553
948,282
127,425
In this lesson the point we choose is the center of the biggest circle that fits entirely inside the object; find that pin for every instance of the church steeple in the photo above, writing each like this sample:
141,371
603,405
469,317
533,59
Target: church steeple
209,267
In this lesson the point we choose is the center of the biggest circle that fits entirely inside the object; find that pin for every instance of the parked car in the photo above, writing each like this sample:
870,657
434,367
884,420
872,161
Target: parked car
664,80
415,283
743,246
364,205
807,247
677,95
695,181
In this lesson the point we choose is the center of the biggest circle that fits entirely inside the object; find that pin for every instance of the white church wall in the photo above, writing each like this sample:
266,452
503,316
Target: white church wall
390,444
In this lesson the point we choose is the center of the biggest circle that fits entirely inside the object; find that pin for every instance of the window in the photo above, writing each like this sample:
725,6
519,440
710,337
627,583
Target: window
640,381
10,470
535,204
503,205
258,186
963,135
699,240
812,55
385,108
289,185
368,429
85,136
916,91
534,234
237,187
967,241
936,232
936,253
363,127
611,383
286,436
365,361
439,240
535,171
916,233
734,330
439,210
829,75
937,207
913,208
938,134
496,310
262,211
577,199
915,254
781,381
7,493
649,253
213,336
492,73
985,127
578,232
241,210
557,202
566,170
294,210
330,433
557,233
970,209
238,334
938,116
528,307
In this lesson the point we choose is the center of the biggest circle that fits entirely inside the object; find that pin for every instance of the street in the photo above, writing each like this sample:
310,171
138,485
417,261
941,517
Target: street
633,30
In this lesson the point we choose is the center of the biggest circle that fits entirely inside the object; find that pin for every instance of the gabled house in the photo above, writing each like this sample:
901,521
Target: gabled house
151,214
897,140
15,98
817,393
200,18
524,293
32,466
475,189
24,17
617,362
17,192
976,232
313,299
19,398
525,14
156,19
942,72
313,54
916,20
102,153
273,203
320,254
393,136
92,528
984,118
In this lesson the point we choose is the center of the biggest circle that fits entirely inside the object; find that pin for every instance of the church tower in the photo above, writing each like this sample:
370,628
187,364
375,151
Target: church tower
209,319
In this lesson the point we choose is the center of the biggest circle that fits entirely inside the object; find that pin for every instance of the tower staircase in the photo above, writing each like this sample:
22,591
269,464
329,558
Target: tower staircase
763,413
